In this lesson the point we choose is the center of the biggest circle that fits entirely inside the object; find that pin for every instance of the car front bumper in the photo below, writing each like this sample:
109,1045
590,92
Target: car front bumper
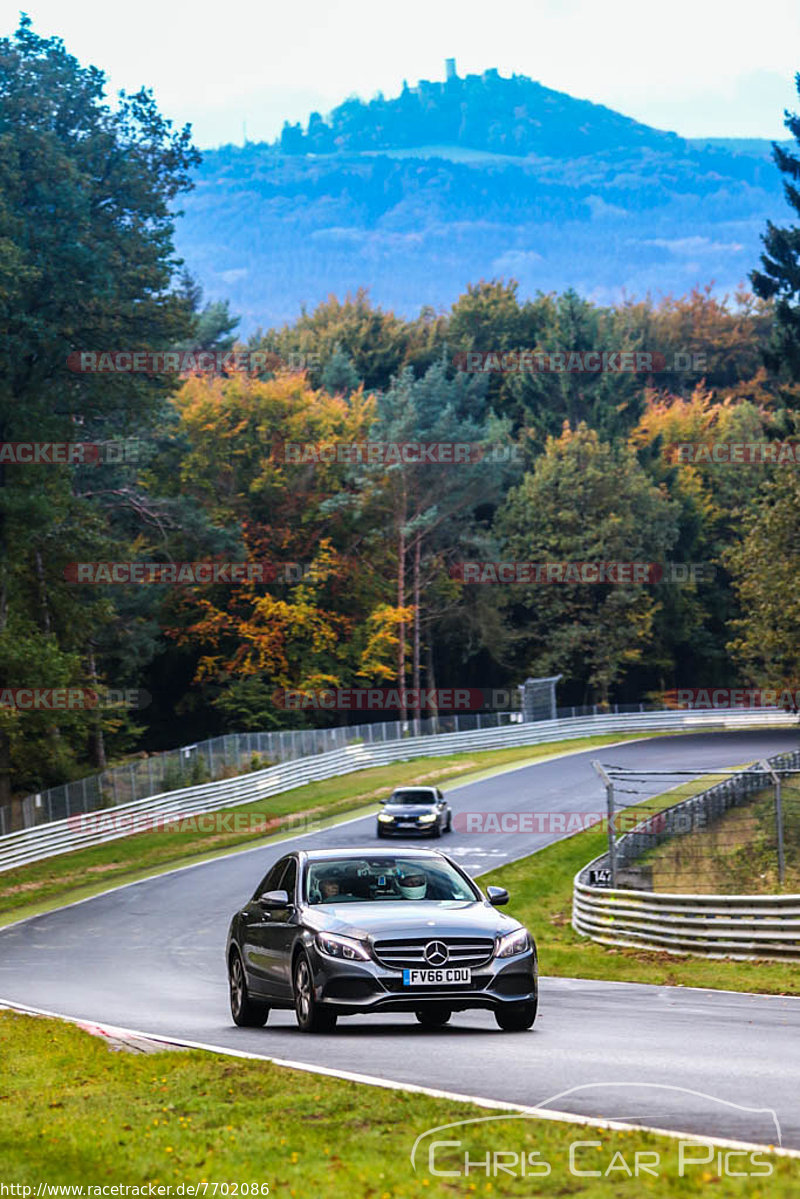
408,830
354,986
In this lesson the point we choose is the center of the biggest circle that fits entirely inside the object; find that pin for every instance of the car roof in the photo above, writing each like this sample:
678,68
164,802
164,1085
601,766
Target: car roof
402,788
368,851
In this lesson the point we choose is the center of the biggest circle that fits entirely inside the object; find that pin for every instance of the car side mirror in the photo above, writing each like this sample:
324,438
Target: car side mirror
497,896
274,899
383,801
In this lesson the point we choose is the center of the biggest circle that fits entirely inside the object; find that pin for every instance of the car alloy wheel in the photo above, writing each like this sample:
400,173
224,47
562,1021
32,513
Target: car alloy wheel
246,1012
311,1017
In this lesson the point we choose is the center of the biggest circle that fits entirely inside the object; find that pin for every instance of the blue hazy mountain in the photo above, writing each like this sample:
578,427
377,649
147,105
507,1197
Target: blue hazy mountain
482,177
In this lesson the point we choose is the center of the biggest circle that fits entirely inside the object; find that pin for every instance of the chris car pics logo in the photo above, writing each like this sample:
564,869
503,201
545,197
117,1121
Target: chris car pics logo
488,1148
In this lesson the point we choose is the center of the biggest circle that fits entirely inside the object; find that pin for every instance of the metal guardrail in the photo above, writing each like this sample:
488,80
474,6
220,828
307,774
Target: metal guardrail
220,757
229,755
80,831
741,927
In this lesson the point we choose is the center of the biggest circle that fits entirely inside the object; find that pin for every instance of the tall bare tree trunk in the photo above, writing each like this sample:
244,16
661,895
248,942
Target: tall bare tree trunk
401,603
417,555
40,579
5,745
97,744
431,681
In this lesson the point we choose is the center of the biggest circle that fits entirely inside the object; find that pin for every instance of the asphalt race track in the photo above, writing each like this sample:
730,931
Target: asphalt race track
151,957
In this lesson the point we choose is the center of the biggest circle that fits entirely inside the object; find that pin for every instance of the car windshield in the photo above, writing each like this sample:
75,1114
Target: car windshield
369,880
412,797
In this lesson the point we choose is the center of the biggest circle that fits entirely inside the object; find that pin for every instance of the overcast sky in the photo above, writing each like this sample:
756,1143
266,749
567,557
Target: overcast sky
698,67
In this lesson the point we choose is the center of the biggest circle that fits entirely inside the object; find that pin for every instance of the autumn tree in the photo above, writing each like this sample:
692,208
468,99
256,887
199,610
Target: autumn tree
763,566
423,506
585,501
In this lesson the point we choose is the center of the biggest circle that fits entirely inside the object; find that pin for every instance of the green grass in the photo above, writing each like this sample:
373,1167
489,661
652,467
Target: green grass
541,896
43,885
74,1112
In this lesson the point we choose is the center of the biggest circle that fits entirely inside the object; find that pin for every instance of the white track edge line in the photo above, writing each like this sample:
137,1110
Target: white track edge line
410,1088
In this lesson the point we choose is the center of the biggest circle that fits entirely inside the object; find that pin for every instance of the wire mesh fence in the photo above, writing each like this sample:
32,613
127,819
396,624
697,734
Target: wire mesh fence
740,836
238,753
220,758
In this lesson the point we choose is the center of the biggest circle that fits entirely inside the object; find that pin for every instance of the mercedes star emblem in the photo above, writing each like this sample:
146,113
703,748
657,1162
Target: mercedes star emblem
436,953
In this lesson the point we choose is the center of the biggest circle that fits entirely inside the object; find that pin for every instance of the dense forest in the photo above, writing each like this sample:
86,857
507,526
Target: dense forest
363,586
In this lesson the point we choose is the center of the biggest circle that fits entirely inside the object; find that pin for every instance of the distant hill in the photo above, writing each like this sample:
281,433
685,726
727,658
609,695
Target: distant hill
473,178
514,116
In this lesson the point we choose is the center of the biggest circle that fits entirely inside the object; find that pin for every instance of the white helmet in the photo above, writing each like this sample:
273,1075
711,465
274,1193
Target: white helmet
413,882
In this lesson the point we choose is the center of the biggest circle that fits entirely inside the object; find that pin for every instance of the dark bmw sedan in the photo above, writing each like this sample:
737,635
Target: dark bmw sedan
415,811
333,933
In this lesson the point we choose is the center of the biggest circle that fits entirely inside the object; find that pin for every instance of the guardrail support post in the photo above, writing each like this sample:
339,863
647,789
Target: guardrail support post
612,831
778,820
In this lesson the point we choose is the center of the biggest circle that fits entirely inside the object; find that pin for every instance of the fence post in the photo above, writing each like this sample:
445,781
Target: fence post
778,820
612,832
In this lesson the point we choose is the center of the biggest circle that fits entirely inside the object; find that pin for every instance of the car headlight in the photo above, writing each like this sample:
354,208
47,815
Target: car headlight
513,943
385,818
428,818
341,947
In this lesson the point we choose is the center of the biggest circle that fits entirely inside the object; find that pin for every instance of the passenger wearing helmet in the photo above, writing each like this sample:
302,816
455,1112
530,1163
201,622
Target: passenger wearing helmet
412,882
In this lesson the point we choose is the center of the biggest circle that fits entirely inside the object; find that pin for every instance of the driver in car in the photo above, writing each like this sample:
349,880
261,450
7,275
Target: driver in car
329,888
412,883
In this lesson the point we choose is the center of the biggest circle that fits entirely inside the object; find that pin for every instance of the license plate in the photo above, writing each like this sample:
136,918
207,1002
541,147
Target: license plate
437,978
407,823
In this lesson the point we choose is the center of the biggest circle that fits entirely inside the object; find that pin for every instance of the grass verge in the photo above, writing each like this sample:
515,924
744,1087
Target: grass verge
44,885
541,896
76,1113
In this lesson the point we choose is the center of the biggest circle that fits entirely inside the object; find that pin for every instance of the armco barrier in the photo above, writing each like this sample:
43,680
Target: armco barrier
33,844
742,927
731,926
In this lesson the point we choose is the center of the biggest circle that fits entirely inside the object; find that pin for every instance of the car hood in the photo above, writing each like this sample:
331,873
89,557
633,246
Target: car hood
408,919
409,809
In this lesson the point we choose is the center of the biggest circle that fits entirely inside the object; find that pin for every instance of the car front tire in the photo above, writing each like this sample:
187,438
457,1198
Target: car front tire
246,1012
516,1017
311,1016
